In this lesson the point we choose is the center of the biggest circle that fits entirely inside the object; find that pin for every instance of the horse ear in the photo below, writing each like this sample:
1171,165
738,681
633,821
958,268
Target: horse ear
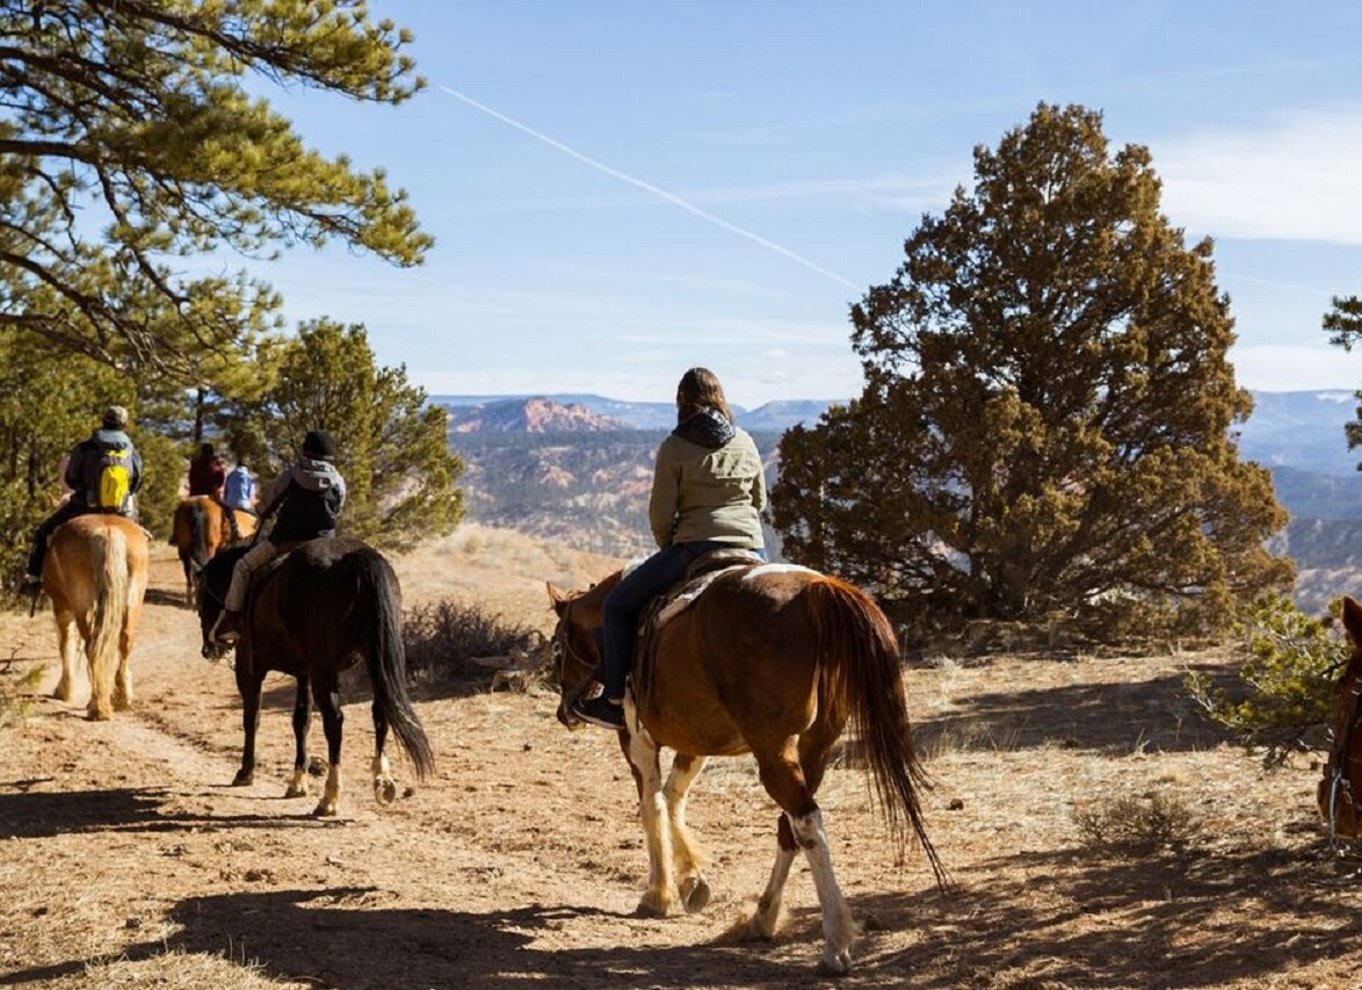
556,598
1352,619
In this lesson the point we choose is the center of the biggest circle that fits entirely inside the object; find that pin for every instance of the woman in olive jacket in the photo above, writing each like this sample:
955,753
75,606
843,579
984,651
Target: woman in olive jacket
708,494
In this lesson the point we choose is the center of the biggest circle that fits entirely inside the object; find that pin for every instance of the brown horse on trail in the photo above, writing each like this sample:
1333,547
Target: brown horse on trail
95,572
1339,794
769,659
200,529
323,607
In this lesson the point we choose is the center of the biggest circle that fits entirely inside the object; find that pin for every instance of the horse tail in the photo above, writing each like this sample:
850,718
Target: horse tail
387,660
109,557
861,670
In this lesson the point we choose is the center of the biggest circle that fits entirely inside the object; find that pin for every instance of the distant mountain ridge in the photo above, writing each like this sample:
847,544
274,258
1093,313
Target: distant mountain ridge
464,410
577,467
535,415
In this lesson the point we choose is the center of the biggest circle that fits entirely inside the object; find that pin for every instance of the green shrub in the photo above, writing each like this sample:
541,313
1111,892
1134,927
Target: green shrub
16,685
1284,702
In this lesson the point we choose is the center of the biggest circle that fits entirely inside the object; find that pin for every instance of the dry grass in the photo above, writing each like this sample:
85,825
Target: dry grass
176,969
1137,826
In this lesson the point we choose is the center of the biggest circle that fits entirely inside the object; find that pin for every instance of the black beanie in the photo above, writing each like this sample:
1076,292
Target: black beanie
319,446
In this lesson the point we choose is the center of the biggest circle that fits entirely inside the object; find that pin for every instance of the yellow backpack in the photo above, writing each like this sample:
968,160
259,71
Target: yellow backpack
115,480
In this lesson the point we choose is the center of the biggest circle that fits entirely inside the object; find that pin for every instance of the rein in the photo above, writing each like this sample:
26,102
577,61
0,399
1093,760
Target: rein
563,651
1336,768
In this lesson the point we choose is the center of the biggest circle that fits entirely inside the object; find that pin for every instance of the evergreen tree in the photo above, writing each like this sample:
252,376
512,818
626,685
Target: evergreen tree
128,138
1344,324
393,447
49,402
1047,412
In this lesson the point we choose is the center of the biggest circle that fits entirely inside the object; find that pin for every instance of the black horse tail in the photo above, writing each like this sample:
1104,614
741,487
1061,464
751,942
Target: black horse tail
387,659
198,535
862,672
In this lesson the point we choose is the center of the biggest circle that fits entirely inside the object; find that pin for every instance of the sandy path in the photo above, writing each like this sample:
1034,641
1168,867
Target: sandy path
126,861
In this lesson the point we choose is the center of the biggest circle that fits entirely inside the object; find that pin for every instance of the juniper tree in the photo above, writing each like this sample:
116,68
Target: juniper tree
1048,409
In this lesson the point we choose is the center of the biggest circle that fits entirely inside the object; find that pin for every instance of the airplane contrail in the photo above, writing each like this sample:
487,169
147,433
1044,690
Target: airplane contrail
672,198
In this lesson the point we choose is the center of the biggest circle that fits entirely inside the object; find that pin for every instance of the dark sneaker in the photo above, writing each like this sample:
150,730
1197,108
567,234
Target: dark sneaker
600,711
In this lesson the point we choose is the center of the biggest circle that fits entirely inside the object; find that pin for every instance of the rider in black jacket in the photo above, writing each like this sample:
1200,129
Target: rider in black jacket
305,502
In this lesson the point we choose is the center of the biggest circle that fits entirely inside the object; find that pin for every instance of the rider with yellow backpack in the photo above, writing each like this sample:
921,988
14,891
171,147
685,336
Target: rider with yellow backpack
104,472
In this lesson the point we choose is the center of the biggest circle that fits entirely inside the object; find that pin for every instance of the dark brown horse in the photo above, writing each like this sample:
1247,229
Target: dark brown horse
1339,794
770,660
95,573
328,604
199,530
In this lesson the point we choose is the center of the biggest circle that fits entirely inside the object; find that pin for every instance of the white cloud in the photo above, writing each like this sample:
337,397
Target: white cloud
1297,178
1287,368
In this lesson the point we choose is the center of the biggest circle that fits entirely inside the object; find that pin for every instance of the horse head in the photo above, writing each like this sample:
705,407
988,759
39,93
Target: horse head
1339,794
576,647
212,581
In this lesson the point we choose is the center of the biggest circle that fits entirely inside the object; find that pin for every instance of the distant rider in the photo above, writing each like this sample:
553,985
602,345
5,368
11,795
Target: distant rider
239,490
207,473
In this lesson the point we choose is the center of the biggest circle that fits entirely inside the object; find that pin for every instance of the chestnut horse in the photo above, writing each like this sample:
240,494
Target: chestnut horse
770,659
199,530
1339,794
95,572
317,612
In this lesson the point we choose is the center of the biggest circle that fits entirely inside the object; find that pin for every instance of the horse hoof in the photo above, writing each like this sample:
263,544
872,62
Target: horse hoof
695,893
324,810
62,692
98,715
654,905
295,792
243,778
385,791
835,964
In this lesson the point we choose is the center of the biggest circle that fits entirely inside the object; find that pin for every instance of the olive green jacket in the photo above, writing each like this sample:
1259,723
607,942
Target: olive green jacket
701,493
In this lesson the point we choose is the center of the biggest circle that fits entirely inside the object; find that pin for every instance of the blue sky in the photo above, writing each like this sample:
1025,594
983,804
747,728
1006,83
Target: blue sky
804,141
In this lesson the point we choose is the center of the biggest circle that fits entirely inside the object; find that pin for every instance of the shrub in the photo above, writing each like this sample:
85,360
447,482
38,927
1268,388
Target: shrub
1284,702
1136,826
15,685
442,637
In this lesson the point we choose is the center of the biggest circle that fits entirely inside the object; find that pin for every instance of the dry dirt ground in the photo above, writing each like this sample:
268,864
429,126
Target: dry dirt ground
127,861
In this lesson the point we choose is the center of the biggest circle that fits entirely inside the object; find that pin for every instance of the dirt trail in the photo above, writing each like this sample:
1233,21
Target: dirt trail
125,860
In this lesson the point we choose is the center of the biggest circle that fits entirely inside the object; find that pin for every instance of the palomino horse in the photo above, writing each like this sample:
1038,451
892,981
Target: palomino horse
199,530
1339,794
326,605
95,573
771,660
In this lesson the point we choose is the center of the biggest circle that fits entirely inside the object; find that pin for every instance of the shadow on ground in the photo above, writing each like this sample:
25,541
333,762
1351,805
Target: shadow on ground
1155,715
353,937
1080,920
28,813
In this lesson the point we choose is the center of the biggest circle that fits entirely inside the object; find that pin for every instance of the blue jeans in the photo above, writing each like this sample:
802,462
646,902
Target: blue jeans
631,596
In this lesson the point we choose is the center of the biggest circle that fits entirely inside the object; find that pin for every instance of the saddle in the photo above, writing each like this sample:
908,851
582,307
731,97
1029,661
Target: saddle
702,572
262,577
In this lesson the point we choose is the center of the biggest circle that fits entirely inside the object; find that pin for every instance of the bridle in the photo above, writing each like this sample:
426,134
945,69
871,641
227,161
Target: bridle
565,652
